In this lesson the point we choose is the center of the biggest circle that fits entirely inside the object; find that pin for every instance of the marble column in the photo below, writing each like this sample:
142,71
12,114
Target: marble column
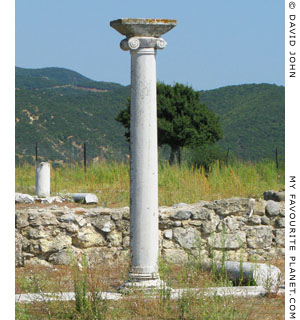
42,183
142,40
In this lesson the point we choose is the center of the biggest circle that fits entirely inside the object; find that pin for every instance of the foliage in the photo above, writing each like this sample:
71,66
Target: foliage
61,118
204,156
88,305
252,117
61,109
181,119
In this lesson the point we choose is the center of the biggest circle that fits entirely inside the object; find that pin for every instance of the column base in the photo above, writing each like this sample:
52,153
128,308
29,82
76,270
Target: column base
143,282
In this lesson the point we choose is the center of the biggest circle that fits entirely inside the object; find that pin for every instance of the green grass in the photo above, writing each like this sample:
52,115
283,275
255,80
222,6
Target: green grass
110,181
136,304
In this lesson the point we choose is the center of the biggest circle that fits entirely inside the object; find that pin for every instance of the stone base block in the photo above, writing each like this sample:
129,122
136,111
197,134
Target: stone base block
143,285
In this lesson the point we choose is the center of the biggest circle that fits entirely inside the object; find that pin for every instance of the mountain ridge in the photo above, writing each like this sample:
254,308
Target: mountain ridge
61,109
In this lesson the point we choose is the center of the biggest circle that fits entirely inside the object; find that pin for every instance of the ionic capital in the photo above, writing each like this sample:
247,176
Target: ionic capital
135,43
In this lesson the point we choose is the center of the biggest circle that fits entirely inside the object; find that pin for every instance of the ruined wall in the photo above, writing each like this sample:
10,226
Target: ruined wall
247,229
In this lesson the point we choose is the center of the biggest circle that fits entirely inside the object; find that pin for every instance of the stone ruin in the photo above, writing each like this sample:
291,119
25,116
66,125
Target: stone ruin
247,229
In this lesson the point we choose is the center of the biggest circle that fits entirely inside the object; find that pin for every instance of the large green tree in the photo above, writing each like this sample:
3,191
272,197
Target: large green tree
182,120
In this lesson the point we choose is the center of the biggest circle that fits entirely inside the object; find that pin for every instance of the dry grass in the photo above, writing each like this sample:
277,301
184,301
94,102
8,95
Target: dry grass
137,305
110,181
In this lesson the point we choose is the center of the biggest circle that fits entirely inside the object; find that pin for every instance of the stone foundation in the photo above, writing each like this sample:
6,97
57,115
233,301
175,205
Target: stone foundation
245,229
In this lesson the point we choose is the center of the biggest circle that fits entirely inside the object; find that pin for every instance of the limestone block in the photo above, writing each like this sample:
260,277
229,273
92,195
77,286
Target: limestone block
268,195
50,199
23,198
272,208
279,196
117,215
164,215
232,206
34,219
126,242
64,256
195,223
126,214
34,247
55,244
19,258
115,238
259,237
123,226
227,241
229,224
87,198
81,221
70,228
168,234
187,238
282,209
280,223
208,227
175,255
67,218
166,224
123,257
203,214
180,215
21,220
265,220
259,207
280,237
104,223
36,261
177,223
254,220
98,256
36,233
48,219
167,244
236,255
88,237
275,196
200,257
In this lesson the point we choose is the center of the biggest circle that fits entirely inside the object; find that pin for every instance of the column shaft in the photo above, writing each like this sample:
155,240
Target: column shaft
42,185
144,164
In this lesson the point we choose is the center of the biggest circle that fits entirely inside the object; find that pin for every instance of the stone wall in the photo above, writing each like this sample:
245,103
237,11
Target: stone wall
247,229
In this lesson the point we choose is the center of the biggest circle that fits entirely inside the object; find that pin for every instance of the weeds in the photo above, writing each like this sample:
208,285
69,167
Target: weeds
92,282
89,303
110,181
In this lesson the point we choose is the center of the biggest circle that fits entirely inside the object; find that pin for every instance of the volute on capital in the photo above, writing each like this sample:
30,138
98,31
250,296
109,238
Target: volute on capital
135,43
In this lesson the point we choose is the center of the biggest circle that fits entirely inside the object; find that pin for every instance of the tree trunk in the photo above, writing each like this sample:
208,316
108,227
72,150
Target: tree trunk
172,156
179,156
175,153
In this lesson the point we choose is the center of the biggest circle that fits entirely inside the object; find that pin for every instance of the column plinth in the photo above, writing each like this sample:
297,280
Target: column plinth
142,40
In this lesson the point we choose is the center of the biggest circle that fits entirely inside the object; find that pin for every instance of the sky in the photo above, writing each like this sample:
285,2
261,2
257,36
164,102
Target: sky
215,43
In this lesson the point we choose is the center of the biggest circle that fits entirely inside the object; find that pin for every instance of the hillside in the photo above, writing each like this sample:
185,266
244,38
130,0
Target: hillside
252,118
61,109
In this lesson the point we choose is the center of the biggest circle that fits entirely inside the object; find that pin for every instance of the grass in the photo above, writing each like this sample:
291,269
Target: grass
136,305
110,181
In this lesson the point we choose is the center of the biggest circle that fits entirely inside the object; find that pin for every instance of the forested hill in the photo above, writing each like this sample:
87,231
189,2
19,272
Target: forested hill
61,109
252,118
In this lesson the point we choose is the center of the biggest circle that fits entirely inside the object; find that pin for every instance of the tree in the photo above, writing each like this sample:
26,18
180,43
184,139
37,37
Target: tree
182,120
